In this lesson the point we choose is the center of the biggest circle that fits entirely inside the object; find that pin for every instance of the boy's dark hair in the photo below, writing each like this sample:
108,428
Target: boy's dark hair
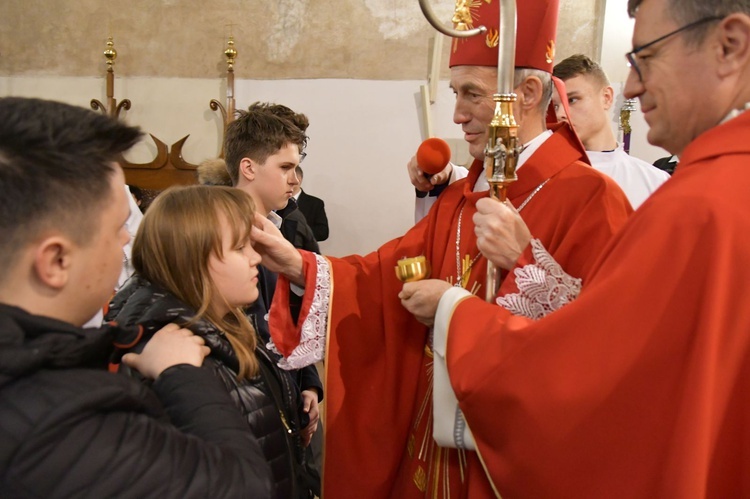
282,111
56,161
136,191
260,132
578,65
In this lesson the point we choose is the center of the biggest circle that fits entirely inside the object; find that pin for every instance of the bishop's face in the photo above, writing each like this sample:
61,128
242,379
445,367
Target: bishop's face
474,87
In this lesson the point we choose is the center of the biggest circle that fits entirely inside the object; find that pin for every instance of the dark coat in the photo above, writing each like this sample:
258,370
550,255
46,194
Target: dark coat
306,378
68,428
295,229
314,210
668,164
260,400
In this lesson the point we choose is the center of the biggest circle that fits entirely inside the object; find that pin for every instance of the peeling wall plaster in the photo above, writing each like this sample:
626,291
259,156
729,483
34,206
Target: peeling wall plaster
281,39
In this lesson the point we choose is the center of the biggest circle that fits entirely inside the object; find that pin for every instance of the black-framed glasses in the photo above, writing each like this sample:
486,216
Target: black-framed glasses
632,56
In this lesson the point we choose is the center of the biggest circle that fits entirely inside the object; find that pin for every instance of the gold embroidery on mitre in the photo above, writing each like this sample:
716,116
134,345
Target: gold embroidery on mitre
550,55
493,38
464,15
420,479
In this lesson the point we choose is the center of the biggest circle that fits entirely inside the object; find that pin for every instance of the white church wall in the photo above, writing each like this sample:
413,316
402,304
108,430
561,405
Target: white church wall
616,41
362,132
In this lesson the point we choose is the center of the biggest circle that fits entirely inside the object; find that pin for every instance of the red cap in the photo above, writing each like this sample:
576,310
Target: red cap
535,33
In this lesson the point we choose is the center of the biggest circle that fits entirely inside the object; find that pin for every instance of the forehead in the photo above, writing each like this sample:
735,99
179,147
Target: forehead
463,77
233,225
225,230
580,84
651,21
288,154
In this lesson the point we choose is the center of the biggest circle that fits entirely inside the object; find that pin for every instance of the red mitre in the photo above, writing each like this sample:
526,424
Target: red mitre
535,33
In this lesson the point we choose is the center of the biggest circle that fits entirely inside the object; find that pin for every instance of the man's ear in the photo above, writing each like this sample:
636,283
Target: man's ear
530,93
734,42
52,262
248,169
608,97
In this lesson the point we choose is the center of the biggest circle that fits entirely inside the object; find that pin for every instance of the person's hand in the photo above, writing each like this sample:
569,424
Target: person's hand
421,298
310,406
278,255
424,183
170,346
502,235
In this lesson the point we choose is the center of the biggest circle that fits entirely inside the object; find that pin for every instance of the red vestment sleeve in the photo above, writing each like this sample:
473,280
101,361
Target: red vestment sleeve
279,314
373,363
638,388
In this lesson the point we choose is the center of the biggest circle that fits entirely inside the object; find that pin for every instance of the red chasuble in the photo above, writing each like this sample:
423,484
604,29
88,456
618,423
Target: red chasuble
378,362
641,387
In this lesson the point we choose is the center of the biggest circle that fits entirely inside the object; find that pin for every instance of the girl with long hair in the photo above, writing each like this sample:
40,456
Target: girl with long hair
196,266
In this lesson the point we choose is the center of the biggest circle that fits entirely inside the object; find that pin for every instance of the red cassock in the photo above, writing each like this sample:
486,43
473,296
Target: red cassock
378,362
641,387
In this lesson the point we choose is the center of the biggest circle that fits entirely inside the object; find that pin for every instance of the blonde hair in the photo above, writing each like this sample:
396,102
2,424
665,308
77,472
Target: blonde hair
213,172
178,235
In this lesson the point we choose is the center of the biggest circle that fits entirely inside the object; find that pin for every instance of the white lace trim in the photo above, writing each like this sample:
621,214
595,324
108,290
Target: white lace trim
312,345
543,286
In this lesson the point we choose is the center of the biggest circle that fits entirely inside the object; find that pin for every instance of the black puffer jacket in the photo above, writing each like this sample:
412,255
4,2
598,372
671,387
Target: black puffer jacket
261,400
68,428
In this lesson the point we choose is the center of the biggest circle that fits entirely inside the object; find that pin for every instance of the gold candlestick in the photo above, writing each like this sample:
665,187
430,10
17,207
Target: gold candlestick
227,112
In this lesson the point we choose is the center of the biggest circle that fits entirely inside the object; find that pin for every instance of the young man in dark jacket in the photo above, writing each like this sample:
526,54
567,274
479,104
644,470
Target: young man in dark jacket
67,427
263,147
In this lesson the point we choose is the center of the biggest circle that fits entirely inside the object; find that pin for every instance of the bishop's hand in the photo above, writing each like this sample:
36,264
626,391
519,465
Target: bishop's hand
421,298
278,255
502,235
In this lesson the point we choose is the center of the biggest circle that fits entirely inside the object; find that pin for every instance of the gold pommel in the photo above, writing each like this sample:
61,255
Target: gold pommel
230,53
110,53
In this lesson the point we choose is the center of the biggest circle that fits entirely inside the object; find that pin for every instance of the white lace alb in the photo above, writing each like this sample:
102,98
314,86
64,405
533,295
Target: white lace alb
543,286
312,344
